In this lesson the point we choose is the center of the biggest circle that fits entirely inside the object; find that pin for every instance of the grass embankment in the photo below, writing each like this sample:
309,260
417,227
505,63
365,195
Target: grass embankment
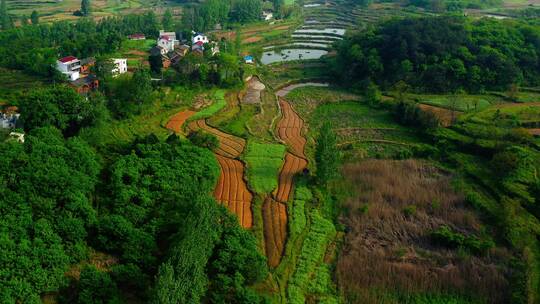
262,123
12,82
135,51
218,104
264,162
152,118
362,131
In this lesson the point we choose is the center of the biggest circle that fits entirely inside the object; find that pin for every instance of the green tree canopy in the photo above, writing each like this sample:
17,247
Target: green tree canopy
46,185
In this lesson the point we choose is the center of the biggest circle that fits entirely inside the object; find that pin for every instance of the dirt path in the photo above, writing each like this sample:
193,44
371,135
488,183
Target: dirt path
177,121
229,146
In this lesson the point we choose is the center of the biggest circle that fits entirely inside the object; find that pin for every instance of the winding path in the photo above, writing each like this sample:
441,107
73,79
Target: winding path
289,130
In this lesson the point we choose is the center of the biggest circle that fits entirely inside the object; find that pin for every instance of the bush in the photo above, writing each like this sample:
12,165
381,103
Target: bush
445,236
203,139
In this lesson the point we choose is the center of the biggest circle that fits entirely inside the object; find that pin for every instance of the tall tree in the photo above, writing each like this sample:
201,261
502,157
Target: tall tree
34,17
326,155
86,8
5,20
167,21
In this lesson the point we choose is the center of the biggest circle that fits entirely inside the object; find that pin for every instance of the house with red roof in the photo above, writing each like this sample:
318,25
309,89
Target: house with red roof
69,66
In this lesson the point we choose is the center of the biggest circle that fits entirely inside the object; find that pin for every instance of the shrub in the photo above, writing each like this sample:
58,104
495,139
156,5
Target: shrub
203,139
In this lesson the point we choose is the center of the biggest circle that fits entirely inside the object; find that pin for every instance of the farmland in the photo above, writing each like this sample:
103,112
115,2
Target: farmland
363,157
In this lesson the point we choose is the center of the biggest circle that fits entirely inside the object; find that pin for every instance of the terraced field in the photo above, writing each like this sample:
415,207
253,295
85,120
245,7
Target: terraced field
229,146
232,192
275,230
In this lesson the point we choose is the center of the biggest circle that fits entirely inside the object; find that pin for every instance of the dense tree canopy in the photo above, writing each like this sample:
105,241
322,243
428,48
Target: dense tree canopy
46,209
35,49
441,54
60,107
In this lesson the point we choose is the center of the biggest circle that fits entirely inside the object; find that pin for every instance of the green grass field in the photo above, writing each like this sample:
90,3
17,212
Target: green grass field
462,103
264,162
12,82
362,131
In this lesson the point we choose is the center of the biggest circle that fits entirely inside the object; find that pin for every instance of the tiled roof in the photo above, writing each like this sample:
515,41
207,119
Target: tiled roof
67,59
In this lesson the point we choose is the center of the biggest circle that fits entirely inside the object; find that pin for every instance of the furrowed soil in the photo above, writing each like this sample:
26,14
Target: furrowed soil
289,129
293,165
177,121
232,191
229,146
275,230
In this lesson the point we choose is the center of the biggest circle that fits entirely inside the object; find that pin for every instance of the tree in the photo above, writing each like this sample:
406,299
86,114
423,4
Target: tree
58,106
278,6
167,21
24,20
34,17
5,20
373,94
46,208
327,155
86,8
156,63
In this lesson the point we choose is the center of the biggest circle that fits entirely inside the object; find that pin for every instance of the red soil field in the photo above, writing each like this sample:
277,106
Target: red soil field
232,192
177,121
289,129
292,166
535,132
275,230
229,146
445,116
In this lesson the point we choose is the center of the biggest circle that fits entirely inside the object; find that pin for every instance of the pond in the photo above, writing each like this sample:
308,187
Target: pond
336,31
270,57
311,44
319,37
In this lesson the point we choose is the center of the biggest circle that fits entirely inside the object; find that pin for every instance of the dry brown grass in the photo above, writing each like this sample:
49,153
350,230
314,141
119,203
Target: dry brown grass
387,248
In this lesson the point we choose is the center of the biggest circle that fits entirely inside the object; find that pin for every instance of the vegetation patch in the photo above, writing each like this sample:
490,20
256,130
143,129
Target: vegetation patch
219,103
263,164
400,246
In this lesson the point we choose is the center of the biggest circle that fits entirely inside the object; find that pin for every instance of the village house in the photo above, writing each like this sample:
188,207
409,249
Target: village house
85,84
267,15
137,36
167,40
249,59
69,66
9,117
87,64
199,38
17,136
120,66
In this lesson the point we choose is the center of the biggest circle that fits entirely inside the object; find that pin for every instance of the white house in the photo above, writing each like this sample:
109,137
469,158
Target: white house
166,43
267,16
120,66
199,38
69,66
8,120
19,137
